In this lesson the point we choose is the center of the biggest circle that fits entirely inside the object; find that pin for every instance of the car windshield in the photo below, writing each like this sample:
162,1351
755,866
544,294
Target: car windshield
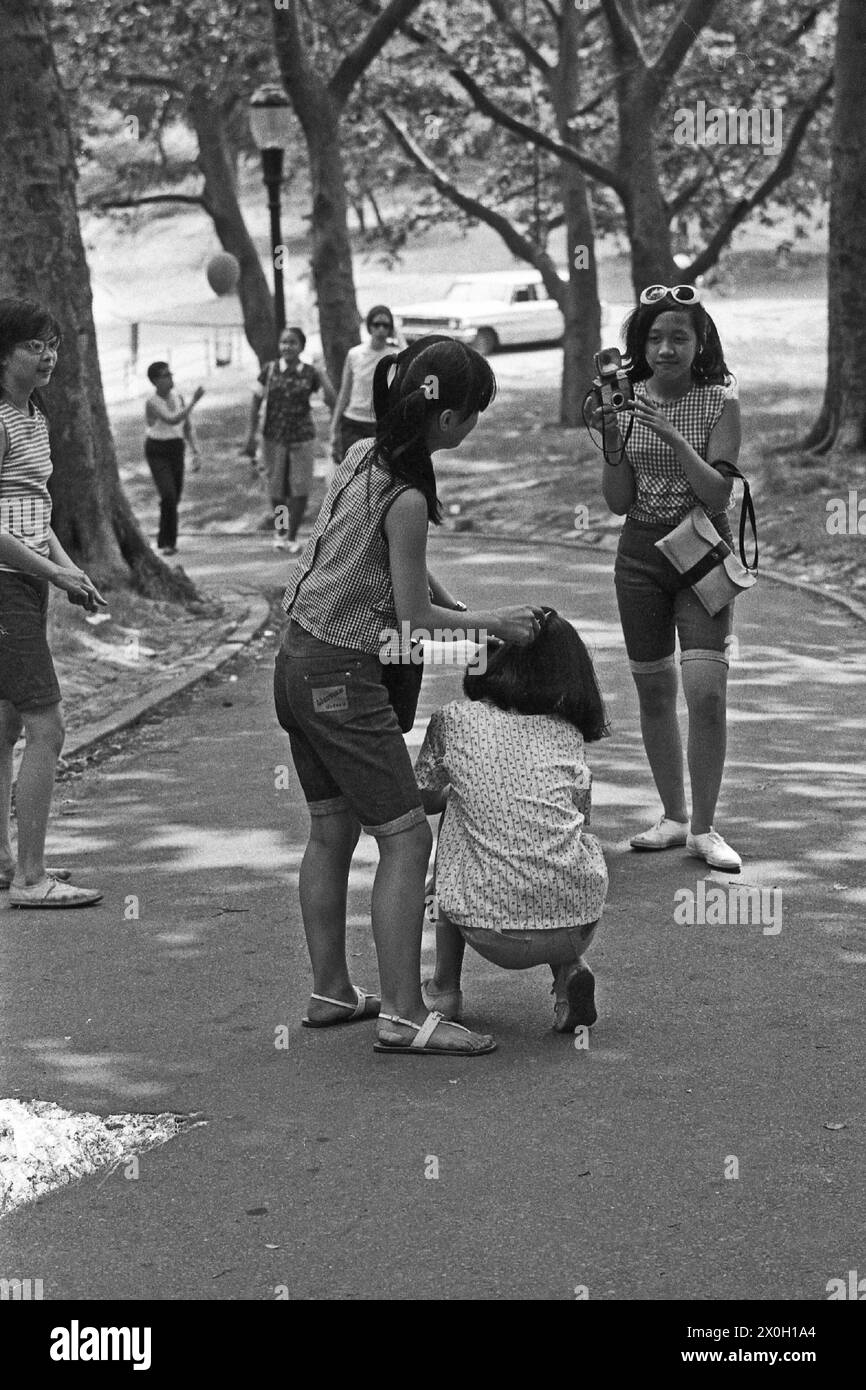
475,291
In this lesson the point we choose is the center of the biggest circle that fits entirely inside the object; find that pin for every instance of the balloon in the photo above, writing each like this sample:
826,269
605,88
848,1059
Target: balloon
223,272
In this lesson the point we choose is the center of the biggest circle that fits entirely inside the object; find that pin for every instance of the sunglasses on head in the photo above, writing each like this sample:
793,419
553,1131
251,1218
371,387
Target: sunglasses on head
681,294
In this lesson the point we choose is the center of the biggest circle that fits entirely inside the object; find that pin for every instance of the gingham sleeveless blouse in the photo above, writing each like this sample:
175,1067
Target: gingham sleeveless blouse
664,494
340,590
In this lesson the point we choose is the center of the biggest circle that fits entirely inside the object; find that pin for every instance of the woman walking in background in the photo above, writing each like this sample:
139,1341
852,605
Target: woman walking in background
31,559
354,417
288,433
169,430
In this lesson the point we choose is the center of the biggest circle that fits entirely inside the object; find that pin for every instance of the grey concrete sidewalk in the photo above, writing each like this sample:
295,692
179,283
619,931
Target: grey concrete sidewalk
709,1142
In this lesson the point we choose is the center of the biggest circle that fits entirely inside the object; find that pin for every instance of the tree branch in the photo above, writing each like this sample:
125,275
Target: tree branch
777,175
685,195
567,152
518,244
356,63
685,32
519,39
147,79
196,199
625,41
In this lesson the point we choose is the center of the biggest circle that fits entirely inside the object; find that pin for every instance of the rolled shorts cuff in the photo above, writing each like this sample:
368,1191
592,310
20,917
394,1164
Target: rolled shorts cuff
417,816
329,807
650,668
704,654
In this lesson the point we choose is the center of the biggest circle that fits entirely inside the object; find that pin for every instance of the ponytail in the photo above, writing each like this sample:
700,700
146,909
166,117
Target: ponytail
409,389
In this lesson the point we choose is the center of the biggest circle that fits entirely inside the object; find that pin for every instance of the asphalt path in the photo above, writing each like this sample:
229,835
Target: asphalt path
708,1144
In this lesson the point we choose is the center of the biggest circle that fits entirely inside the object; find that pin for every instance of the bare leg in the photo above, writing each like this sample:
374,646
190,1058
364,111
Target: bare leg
705,688
10,731
398,916
657,693
323,885
450,949
45,733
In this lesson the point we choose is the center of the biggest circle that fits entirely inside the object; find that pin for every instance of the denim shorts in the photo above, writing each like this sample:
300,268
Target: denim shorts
27,676
655,609
347,747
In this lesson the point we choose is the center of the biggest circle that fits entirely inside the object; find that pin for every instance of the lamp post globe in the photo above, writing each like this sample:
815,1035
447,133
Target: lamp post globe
271,129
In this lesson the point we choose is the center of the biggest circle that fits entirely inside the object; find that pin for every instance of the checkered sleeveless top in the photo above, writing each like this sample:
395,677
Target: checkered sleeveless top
664,494
340,590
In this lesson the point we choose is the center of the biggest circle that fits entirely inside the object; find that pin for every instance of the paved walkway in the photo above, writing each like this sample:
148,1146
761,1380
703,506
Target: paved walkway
720,1050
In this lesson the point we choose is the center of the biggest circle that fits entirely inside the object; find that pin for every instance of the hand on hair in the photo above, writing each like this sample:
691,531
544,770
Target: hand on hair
518,625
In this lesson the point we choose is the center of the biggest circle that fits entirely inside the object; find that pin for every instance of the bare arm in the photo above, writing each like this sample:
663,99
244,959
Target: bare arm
154,412
406,532
342,400
328,390
617,481
441,595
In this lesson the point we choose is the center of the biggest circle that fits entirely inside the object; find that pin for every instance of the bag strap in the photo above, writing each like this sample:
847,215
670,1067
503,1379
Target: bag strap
747,510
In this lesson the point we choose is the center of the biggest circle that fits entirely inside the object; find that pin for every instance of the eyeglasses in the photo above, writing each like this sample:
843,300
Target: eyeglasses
682,294
39,345
380,323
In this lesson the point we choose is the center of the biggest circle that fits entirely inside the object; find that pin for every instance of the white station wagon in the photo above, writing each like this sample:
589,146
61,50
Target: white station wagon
498,309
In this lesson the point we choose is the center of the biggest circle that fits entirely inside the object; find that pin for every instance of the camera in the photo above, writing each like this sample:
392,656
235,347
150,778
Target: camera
612,386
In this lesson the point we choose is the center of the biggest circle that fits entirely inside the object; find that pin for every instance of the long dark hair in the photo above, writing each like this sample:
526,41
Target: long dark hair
553,675
21,319
409,389
709,366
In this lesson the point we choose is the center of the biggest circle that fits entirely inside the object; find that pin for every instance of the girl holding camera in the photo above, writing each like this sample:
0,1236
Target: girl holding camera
666,452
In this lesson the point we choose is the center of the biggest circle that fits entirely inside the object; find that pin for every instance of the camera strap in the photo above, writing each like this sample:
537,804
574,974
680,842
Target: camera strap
747,512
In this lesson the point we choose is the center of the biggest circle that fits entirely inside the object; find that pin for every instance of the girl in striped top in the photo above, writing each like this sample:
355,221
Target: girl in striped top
666,454
362,575
31,559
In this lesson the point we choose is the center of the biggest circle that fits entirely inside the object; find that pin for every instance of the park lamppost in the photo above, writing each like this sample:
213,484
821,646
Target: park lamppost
271,126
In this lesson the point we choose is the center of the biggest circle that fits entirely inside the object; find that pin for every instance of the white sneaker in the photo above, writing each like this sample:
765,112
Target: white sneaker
665,834
280,543
294,547
715,851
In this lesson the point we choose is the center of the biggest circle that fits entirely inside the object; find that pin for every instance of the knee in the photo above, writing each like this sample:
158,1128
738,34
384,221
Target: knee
337,834
657,693
706,699
46,727
11,724
414,843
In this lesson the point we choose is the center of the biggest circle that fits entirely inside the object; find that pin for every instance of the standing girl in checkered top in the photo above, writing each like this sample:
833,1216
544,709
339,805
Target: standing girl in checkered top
363,574
666,453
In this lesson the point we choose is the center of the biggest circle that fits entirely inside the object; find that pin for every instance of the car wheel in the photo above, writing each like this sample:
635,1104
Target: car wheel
486,341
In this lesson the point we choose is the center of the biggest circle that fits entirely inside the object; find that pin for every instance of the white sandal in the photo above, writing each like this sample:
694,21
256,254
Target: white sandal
420,1044
358,1011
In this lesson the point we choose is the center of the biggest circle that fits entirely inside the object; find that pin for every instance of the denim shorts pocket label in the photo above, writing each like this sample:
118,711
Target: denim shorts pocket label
329,699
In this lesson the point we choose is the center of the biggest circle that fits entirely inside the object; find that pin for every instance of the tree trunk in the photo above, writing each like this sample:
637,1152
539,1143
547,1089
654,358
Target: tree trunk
580,305
331,259
841,425
646,216
42,257
216,161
